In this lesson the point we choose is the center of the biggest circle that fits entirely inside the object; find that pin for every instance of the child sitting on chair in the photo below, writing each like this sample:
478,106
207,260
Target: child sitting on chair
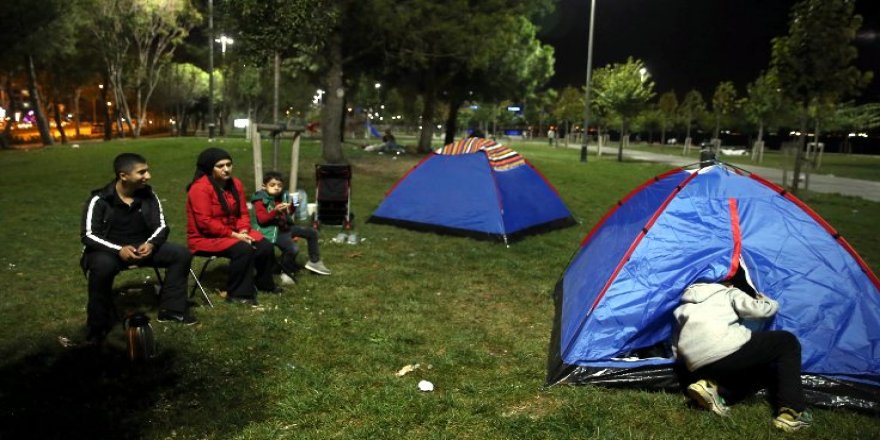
273,216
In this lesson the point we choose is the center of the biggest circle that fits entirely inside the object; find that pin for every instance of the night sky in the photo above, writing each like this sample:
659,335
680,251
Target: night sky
687,44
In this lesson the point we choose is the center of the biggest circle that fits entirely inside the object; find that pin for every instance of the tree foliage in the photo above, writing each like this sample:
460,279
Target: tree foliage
667,107
814,60
723,103
137,40
692,107
445,50
24,46
570,105
290,27
764,103
539,109
623,89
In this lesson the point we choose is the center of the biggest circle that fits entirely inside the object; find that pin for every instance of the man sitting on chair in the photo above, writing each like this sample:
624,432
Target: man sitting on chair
123,225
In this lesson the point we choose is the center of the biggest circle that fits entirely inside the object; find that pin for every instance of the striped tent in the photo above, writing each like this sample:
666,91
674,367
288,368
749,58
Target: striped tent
501,158
474,187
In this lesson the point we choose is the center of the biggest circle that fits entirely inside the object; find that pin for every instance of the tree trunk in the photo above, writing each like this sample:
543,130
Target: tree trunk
663,134
58,120
427,133
331,112
620,145
184,122
42,122
717,125
343,119
276,87
452,120
494,119
6,140
567,131
428,108
108,125
122,111
117,113
758,151
178,120
817,160
76,96
799,153
139,115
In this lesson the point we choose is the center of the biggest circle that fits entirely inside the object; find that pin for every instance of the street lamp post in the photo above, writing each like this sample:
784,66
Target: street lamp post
589,78
378,87
224,41
211,70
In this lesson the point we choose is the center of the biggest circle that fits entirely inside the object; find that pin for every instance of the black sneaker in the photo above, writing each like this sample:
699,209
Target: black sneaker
248,301
96,336
276,290
178,317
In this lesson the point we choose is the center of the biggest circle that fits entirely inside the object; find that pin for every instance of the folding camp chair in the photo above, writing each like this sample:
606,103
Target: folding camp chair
198,278
210,258
333,195
85,270
158,278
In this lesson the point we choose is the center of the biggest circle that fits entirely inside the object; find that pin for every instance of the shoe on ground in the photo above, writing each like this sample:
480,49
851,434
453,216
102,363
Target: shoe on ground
248,301
277,290
317,267
790,420
96,336
705,393
176,317
287,279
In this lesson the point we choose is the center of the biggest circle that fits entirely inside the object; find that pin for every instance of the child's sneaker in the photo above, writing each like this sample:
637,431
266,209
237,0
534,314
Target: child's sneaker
705,393
790,420
317,267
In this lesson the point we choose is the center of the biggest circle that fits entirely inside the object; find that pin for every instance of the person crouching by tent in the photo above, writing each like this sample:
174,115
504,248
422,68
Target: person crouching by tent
719,350
273,216
218,224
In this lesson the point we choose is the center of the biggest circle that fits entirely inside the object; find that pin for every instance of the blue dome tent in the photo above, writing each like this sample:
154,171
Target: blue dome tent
476,188
614,302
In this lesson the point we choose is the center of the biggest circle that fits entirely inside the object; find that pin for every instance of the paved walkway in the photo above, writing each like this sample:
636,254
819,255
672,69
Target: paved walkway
822,183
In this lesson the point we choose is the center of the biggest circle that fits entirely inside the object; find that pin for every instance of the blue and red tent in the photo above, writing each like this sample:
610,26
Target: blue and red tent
476,188
614,302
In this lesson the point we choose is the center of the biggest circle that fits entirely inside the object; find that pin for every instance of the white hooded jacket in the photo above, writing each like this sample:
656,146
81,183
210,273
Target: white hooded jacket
709,322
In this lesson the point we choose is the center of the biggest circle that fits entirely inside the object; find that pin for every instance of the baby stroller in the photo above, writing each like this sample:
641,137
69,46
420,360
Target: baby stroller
333,196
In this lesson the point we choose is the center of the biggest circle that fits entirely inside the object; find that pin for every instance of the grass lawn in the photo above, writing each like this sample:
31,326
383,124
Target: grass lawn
854,166
319,361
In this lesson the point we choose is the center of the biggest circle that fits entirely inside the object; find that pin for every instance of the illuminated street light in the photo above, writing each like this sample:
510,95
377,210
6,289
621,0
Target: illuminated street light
224,40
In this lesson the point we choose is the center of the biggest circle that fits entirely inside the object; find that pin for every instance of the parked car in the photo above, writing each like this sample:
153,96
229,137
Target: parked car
734,152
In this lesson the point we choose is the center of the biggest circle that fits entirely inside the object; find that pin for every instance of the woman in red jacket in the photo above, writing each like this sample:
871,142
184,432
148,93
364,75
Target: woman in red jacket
218,224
